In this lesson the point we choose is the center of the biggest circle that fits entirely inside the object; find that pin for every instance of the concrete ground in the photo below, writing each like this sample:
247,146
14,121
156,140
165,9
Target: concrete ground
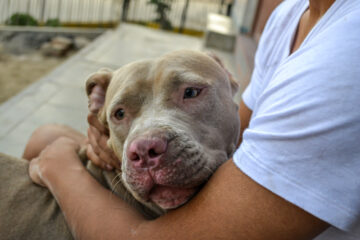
60,97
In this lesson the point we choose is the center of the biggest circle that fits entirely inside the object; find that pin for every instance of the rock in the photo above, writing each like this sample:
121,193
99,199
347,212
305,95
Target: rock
80,42
22,43
57,47
46,49
18,44
53,49
38,39
61,40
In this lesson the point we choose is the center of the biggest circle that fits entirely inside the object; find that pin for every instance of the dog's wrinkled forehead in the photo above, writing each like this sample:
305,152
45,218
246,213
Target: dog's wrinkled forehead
134,82
189,65
130,82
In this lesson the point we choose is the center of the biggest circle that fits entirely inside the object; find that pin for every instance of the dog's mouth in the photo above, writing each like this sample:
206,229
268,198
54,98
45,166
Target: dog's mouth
164,195
168,197
178,176
151,188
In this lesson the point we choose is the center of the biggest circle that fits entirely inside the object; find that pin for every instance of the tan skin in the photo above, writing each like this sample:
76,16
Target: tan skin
230,206
311,16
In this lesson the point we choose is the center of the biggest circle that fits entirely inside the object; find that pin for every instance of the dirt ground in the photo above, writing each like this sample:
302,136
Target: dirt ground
17,72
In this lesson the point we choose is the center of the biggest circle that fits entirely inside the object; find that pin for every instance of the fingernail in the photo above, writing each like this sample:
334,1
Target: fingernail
109,167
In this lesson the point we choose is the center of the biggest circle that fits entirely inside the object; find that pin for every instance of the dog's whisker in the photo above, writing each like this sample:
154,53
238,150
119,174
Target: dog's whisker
114,184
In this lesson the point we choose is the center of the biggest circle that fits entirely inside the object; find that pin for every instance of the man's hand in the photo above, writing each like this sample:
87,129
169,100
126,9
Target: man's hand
54,160
97,150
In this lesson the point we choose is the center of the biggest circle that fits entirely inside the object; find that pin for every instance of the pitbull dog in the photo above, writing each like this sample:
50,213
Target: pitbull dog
172,123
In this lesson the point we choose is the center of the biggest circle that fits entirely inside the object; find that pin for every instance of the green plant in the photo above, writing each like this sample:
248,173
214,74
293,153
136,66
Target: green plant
21,19
53,22
161,9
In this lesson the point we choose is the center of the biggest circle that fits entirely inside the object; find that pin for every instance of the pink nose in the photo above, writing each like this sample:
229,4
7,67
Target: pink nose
146,152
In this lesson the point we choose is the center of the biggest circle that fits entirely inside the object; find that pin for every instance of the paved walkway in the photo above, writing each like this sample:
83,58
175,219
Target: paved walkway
60,96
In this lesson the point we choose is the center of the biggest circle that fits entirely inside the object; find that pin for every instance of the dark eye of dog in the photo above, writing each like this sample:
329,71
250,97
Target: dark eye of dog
119,114
191,92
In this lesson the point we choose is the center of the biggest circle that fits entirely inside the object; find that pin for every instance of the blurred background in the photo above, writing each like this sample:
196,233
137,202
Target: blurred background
49,47
181,15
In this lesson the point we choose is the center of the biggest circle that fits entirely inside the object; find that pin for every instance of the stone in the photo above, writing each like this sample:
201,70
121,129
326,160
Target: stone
81,42
61,40
57,47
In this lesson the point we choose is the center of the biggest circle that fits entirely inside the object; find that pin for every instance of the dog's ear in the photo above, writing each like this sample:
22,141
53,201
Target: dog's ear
96,86
233,83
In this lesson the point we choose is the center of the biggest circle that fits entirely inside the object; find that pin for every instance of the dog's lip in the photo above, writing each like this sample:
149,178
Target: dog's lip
170,197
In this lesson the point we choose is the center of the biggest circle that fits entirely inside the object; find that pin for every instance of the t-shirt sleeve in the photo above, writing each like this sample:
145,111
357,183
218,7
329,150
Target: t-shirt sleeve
303,142
252,91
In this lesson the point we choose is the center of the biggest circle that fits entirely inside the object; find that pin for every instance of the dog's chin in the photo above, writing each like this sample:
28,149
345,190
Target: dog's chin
167,197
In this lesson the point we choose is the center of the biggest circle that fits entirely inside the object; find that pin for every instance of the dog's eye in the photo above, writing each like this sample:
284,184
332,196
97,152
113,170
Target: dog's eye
119,114
191,92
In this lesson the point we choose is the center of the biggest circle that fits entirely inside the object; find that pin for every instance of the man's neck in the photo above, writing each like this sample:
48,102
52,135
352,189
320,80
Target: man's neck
309,19
319,7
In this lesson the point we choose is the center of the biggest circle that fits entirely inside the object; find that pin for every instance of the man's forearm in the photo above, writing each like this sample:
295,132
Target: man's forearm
246,211
85,204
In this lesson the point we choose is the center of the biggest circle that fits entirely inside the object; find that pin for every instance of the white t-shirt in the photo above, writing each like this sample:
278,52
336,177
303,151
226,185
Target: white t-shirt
303,141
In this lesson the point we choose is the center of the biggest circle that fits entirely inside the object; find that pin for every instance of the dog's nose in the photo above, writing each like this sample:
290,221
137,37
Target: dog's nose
146,152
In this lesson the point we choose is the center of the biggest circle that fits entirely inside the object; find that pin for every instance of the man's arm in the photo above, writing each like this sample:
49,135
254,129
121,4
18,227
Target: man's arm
230,206
245,116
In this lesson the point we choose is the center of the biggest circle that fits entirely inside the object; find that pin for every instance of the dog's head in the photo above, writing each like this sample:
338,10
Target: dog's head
172,122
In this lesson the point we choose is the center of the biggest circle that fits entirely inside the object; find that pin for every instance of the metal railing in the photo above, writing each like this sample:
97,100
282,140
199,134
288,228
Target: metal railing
65,11
190,14
195,13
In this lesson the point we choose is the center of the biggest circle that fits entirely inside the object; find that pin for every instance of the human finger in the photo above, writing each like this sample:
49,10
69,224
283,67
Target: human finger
94,137
95,159
107,154
94,121
34,172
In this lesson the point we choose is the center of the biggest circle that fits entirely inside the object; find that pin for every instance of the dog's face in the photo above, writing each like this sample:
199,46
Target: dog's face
172,122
